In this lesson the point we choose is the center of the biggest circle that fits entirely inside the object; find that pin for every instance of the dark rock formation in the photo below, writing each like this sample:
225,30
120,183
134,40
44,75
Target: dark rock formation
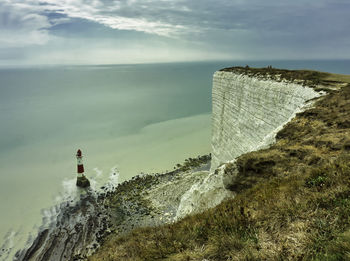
75,234
83,182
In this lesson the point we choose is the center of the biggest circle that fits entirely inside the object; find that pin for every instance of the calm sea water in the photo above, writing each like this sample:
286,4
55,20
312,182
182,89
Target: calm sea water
135,118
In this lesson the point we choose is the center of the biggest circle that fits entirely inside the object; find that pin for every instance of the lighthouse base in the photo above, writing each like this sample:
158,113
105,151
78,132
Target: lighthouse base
83,182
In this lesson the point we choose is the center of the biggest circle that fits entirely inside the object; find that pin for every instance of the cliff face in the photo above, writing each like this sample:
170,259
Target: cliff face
249,111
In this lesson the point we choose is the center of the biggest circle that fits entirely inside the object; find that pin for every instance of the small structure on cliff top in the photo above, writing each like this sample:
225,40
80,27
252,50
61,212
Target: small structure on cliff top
82,181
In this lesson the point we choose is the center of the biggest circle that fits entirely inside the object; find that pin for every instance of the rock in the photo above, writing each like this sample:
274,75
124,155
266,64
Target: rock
83,182
230,173
71,234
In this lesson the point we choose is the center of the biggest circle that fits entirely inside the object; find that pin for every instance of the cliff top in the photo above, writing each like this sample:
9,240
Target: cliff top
292,200
318,80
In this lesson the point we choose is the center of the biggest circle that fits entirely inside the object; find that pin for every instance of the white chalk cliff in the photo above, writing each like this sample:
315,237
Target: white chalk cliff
247,114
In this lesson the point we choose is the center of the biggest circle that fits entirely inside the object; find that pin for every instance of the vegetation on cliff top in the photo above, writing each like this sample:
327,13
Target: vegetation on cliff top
315,79
292,202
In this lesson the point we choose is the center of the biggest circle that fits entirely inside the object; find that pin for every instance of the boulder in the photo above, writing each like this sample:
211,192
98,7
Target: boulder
83,182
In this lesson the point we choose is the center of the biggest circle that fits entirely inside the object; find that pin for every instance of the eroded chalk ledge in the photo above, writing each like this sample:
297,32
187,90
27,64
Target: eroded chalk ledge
250,106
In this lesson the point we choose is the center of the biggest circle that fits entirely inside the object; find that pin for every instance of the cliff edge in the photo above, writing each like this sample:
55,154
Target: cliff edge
287,199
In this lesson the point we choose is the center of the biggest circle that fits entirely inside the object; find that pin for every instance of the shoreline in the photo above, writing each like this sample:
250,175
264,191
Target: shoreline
81,227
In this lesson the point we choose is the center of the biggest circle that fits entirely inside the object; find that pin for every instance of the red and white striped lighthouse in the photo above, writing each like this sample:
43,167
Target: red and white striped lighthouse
82,181
80,166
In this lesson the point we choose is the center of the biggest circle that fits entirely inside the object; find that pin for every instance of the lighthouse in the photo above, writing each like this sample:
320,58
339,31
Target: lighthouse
82,181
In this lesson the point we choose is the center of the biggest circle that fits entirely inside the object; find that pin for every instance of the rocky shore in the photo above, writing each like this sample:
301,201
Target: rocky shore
145,200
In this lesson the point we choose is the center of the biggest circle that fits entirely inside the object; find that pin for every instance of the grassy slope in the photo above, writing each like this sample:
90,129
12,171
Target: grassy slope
293,199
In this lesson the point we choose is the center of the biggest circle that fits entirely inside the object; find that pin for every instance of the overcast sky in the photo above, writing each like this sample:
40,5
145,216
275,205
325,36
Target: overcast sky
139,31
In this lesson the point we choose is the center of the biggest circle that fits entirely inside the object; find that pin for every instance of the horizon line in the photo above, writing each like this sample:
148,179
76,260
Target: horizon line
5,66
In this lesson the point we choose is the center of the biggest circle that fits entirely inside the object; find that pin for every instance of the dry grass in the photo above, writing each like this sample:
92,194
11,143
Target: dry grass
292,202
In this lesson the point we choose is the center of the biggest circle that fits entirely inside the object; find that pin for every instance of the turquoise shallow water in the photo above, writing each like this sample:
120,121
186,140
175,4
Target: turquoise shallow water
136,118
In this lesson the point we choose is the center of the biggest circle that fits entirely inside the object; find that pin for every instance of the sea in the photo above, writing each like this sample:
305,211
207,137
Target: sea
126,119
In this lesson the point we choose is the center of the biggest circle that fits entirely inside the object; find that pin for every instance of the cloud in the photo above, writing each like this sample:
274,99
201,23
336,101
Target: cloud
180,18
227,28
122,15
21,27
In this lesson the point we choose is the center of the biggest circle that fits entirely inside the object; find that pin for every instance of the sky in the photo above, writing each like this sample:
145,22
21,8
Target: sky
34,32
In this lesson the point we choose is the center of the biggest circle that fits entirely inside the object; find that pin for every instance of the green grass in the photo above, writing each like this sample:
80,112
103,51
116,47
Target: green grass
310,78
